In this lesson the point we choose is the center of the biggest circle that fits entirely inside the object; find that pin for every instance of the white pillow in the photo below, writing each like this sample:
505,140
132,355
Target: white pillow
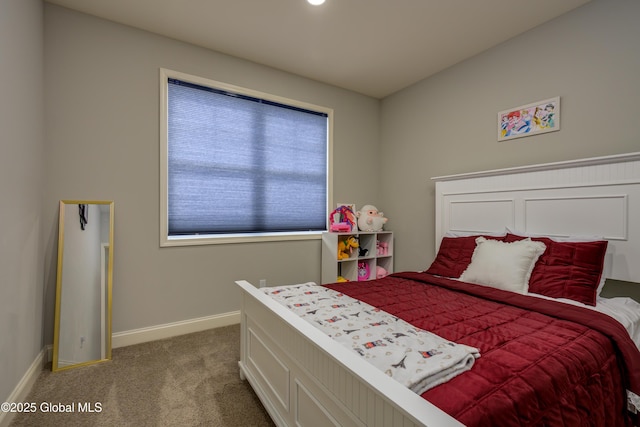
503,265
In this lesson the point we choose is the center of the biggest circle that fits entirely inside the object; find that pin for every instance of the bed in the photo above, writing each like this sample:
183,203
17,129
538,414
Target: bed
544,360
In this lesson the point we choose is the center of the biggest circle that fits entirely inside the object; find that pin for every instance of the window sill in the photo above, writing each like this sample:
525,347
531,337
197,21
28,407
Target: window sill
237,238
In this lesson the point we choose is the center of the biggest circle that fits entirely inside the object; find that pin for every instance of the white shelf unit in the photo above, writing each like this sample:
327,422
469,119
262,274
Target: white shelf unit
332,267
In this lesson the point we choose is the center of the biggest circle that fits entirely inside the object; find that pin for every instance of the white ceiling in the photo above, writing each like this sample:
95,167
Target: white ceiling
374,47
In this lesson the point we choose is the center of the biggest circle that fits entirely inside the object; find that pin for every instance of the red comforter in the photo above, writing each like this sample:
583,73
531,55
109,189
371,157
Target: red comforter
542,363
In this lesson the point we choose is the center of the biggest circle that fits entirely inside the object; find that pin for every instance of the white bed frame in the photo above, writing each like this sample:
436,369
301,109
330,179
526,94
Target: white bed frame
304,378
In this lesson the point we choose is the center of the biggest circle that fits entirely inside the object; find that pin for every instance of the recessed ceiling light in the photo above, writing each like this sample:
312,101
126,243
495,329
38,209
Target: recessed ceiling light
316,2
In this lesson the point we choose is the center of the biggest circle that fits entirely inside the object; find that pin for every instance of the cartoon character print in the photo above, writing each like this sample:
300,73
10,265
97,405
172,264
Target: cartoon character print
372,344
516,122
522,122
429,353
381,323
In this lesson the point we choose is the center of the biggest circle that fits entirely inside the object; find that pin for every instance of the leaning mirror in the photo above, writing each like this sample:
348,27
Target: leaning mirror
82,334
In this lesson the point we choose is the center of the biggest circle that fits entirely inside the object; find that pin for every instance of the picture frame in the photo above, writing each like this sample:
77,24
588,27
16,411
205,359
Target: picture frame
528,120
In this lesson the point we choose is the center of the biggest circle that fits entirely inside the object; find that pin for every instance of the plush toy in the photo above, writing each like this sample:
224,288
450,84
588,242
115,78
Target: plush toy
341,279
364,271
346,247
369,219
381,272
382,248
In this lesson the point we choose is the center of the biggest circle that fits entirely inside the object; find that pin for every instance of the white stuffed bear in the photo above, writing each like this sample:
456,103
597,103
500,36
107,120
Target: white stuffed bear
369,219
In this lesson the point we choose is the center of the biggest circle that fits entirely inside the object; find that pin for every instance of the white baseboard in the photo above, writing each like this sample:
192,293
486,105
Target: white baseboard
23,388
168,330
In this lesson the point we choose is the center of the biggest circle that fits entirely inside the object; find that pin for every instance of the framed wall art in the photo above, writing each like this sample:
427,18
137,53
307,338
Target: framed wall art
531,119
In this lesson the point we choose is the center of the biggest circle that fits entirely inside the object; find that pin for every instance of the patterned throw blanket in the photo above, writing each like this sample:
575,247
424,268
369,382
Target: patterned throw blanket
416,358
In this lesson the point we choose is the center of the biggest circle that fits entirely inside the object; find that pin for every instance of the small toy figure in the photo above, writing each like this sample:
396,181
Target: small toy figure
346,247
364,271
382,248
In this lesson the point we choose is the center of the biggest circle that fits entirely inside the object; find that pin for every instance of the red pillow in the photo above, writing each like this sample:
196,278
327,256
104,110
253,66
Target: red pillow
569,270
454,255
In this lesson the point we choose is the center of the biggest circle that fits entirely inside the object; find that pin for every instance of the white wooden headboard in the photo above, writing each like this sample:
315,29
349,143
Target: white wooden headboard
588,197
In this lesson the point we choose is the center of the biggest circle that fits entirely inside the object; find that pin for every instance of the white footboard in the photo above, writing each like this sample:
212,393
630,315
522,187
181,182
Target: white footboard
304,378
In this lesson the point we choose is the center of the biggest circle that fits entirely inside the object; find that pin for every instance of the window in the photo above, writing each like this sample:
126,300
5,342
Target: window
238,165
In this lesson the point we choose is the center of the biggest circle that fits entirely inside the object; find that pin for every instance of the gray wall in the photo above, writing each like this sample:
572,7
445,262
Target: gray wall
21,176
102,109
447,124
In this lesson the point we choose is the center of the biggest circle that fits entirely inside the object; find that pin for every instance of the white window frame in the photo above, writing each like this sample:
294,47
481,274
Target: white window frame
165,239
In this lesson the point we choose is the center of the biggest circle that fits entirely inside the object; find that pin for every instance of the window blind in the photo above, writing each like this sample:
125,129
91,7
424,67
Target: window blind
238,164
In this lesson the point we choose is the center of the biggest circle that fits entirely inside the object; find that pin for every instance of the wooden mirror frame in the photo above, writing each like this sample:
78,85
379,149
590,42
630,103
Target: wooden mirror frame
105,315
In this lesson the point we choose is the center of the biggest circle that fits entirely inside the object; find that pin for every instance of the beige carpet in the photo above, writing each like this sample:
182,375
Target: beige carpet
190,380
